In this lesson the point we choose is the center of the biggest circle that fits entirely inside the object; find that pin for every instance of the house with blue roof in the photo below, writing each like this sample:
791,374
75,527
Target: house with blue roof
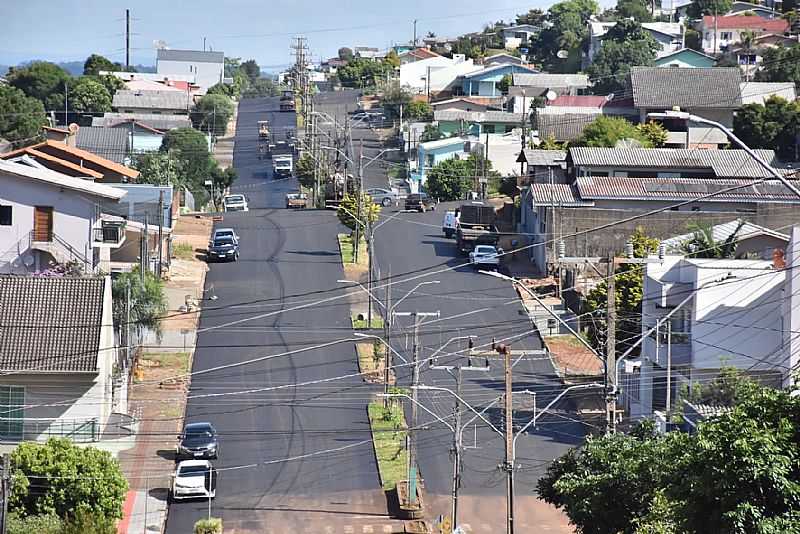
485,82
686,58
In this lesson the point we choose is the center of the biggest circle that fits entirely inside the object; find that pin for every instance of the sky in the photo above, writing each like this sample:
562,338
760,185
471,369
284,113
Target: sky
69,30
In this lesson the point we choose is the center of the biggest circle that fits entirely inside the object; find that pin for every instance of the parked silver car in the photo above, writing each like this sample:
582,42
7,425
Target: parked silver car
384,197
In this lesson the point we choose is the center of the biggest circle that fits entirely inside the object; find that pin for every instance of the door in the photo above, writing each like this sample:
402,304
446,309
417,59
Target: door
43,223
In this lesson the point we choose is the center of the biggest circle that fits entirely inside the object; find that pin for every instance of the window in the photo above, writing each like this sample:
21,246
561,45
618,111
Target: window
726,36
489,128
12,402
5,215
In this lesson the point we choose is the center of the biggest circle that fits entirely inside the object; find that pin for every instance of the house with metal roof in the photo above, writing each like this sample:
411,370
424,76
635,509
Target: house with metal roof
162,123
518,35
686,58
718,33
153,102
485,82
477,122
61,374
109,143
751,241
668,35
207,67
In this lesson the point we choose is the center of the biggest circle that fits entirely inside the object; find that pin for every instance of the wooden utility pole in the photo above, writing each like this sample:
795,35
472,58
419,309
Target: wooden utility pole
611,348
160,230
128,40
509,466
456,450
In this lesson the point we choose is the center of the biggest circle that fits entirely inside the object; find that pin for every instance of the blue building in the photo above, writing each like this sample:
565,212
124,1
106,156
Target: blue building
433,152
484,82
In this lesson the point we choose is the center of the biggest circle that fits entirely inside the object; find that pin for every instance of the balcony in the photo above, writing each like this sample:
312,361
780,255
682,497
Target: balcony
110,233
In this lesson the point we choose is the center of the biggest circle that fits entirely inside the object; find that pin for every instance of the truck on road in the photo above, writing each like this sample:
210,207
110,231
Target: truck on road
287,101
282,165
476,226
296,200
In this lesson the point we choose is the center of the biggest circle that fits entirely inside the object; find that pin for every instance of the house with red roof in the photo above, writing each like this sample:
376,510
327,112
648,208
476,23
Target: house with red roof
718,33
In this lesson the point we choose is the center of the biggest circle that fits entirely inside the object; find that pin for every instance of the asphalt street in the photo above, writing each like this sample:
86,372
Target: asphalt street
286,451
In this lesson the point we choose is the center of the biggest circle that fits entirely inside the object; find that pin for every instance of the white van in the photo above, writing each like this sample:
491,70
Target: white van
450,222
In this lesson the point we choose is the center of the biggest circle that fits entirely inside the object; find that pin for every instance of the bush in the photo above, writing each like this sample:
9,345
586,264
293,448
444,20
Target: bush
208,526
38,524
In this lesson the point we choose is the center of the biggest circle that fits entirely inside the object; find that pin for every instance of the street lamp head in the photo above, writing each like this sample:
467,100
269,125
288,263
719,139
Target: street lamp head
672,114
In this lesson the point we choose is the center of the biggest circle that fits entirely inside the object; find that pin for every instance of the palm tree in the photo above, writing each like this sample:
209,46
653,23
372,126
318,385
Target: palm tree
703,245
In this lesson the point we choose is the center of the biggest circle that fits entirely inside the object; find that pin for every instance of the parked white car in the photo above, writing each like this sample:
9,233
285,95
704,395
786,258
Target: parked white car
193,479
485,256
235,203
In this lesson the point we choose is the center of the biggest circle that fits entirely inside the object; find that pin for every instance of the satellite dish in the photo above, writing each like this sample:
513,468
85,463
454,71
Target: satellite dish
159,44
562,54
628,143
550,95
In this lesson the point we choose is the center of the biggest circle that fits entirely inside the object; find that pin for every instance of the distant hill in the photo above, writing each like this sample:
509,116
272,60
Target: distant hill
74,68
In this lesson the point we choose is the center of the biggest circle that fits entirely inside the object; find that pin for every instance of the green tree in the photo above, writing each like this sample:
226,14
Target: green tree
87,522
87,98
638,10
625,45
212,525
224,89
351,214
607,131
95,63
159,168
212,113
702,244
698,8
345,54
251,69
430,133
628,286
693,40
191,148
550,143
534,17
261,87
393,97
781,64
567,30
452,178
774,124
41,80
223,179
58,477
305,170
393,59
148,302
21,117
504,84
361,72
40,524
654,132
418,111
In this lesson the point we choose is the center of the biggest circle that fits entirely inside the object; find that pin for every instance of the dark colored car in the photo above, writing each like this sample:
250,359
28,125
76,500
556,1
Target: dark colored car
420,202
199,440
223,249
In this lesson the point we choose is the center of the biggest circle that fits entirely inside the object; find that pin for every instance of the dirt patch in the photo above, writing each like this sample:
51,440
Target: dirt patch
572,358
372,362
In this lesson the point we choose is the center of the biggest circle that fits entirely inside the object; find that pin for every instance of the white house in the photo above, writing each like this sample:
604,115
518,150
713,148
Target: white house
669,36
57,358
725,313
436,74
49,218
514,36
718,33
208,68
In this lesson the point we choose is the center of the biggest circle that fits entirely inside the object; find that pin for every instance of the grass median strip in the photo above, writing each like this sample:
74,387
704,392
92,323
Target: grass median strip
388,435
346,250
363,324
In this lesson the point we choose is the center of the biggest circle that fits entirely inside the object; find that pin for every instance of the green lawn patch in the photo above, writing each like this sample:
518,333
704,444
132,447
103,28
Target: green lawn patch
363,324
388,436
174,361
346,250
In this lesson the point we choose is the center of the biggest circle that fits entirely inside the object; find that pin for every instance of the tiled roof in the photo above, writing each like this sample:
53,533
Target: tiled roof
723,163
50,324
677,189
61,180
545,158
158,122
550,80
721,232
477,116
110,143
421,53
749,22
582,101
192,56
564,126
658,87
557,195
177,100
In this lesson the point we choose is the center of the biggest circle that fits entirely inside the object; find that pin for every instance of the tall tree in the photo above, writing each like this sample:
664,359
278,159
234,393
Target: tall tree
159,168
95,63
452,178
21,117
607,131
638,10
565,32
212,113
698,8
534,17
87,98
251,69
625,45
191,147
345,54
702,244
774,125
41,80
148,303
781,64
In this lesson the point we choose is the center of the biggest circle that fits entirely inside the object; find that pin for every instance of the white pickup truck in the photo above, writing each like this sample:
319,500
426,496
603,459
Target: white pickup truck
485,256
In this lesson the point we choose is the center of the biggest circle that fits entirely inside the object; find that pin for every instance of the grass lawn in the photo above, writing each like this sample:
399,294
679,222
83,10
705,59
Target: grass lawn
174,361
567,339
389,435
183,251
361,324
370,356
346,250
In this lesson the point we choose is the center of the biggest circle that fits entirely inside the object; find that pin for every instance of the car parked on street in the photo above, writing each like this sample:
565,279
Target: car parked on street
223,249
224,232
199,440
384,197
420,202
194,479
235,203
486,257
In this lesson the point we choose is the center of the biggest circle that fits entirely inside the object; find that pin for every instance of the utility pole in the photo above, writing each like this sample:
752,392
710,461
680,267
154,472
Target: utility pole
456,450
505,350
669,368
414,44
160,230
387,332
6,491
360,198
146,246
128,40
611,348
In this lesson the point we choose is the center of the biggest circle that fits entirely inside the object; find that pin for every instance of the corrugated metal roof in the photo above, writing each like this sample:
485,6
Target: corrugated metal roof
758,92
557,195
50,324
724,163
152,100
658,87
723,231
564,126
545,158
478,116
193,56
110,143
677,189
157,122
580,81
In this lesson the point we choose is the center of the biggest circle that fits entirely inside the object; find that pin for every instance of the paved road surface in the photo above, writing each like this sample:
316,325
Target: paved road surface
287,259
